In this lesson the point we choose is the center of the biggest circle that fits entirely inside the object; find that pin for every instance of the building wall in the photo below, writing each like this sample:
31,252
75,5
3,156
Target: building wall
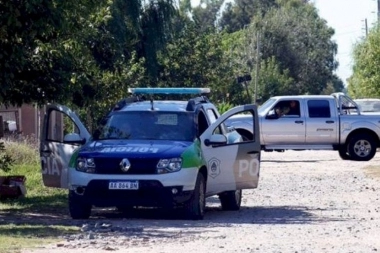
28,117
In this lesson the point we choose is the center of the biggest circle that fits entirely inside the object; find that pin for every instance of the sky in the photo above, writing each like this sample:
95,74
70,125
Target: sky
347,18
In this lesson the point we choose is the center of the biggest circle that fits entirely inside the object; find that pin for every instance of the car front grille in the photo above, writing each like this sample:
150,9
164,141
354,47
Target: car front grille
139,166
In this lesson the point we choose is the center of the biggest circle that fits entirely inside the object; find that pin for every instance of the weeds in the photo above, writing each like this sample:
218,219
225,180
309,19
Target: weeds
22,150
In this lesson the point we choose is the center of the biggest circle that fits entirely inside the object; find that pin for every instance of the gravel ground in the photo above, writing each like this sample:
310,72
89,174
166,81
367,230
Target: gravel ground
307,201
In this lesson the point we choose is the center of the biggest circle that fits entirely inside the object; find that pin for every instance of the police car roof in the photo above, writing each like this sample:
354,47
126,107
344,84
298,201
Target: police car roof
158,105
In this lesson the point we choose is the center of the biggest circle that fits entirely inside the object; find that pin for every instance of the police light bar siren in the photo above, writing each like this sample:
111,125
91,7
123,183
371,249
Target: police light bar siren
169,90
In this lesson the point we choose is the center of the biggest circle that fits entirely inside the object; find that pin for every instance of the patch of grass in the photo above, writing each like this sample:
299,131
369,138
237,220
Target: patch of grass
16,237
41,216
38,198
373,171
22,151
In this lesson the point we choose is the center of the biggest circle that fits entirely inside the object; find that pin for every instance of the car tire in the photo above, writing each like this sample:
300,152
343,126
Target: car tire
362,147
194,208
231,200
343,152
78,209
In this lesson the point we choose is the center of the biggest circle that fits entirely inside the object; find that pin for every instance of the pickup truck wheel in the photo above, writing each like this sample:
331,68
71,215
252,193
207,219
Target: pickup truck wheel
78,209
343,153
362,147
194,208
231,200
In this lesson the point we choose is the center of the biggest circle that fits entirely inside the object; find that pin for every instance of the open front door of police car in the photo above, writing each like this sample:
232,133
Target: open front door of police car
233,162
62,133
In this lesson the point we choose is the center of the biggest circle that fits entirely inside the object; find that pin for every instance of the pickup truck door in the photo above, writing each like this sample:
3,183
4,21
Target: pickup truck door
232,162
55,152
286,129
322,122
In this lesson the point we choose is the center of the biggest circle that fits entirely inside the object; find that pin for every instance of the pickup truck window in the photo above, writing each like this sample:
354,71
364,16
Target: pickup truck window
287,108
319,108
266,105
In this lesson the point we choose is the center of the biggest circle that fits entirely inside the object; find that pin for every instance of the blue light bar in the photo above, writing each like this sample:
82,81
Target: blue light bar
169,90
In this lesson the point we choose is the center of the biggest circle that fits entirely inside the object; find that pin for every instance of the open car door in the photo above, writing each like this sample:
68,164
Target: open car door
62,133
233,160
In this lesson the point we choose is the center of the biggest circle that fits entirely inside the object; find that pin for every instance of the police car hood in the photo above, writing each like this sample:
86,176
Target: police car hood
135,148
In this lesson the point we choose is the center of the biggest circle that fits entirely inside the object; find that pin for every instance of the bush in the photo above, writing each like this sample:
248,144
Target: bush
5,159
223,107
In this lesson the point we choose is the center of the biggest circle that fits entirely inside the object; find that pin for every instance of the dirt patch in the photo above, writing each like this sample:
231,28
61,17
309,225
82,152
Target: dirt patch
373,171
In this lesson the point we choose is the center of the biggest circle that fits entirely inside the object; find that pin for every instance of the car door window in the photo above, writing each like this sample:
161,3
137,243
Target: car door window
287,108
235,136
318,109
59,124
212,117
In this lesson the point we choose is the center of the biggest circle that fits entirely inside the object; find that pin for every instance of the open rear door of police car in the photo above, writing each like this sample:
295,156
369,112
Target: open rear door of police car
62,133
233,162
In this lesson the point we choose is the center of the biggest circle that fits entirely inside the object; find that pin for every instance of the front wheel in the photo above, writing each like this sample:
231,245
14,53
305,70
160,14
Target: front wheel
362,147
78,209
231,200
343,153
195,207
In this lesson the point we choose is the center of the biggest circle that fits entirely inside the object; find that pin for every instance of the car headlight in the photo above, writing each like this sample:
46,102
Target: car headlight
86,164
169,165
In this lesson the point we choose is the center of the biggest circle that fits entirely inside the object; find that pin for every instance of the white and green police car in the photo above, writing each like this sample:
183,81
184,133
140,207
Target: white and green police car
151,153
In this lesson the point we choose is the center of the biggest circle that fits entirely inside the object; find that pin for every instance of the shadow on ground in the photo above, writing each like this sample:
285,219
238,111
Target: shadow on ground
214,216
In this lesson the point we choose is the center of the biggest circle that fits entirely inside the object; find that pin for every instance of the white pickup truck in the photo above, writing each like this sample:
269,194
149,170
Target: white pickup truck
315,122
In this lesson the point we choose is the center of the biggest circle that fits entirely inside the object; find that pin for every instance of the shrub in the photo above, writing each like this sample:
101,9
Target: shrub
5,159
223,107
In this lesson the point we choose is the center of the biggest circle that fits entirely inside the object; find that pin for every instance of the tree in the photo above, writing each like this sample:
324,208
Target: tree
239,14
301,43
365,80
195,59
38,47
207,13
57,50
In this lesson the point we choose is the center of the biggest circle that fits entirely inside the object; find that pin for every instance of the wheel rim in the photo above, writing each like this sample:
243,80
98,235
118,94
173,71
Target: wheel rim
362,148
202,200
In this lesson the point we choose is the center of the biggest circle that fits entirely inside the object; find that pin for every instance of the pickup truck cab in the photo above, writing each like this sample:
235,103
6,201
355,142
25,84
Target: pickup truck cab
151,153
315,122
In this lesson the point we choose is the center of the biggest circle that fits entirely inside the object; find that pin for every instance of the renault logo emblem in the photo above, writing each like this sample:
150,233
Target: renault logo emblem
125,165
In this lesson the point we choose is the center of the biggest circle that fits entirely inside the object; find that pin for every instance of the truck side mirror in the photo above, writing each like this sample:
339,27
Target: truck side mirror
271,115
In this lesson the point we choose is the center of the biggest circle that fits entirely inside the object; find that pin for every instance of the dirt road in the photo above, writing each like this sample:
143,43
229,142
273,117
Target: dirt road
307,201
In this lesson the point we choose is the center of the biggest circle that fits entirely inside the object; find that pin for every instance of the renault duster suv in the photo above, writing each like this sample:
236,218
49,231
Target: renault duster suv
151,153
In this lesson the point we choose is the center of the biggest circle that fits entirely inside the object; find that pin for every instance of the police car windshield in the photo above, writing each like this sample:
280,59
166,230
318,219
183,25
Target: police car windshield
149,125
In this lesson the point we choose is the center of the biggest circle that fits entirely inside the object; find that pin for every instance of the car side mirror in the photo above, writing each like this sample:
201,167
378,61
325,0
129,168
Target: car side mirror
216,140
73,138
271,115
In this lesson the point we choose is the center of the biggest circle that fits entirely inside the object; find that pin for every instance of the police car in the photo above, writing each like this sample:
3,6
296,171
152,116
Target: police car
151,153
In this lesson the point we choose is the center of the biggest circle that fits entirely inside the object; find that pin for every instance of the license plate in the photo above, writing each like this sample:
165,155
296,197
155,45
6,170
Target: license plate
123,185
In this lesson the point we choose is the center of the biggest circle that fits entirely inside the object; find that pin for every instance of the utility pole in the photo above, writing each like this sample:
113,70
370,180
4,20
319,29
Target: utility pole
366,27
257,63
378,11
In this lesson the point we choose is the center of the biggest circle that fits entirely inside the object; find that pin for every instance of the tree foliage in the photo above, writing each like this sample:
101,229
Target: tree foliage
365,80
88,53
295,44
